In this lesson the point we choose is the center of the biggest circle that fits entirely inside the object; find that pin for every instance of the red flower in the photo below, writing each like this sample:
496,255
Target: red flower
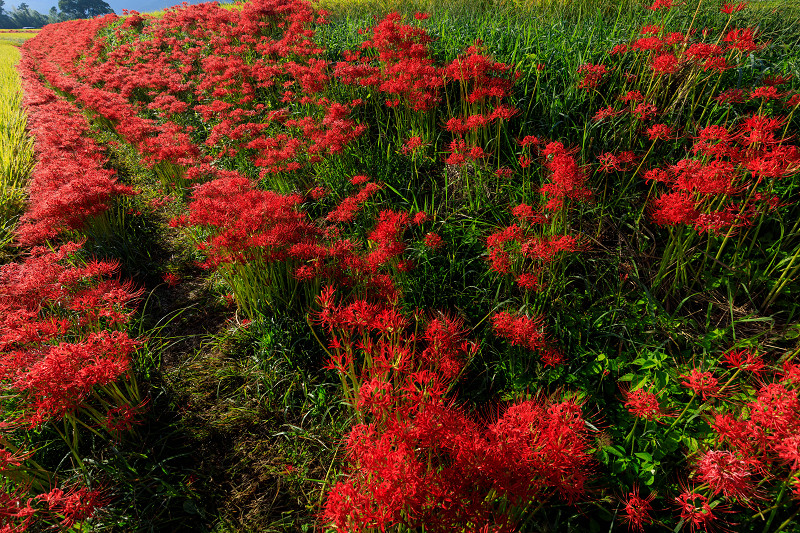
433,241
637,509
592,74
659,132
674,208
744,359
358,180
730,9
605,113
528,281
702,383
767,92
412,145
695,510
660,4
643,404
728,474
619,49
520,330
665,64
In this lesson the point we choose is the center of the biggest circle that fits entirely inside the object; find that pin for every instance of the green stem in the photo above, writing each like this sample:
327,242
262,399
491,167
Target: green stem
669,429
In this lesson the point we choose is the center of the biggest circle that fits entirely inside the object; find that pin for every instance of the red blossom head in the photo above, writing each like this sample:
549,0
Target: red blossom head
637,509
704,384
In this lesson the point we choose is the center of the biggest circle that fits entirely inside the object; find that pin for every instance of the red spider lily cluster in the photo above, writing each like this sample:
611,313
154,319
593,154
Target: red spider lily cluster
716,190
251,228
754,421
243,100
63,508
416,458
61,333
61,344
730,167
63,348
69,185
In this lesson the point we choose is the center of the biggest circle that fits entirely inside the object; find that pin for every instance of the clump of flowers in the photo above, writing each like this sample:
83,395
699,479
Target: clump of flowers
415,458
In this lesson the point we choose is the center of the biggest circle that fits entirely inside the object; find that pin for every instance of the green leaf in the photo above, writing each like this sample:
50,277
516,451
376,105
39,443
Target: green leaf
619,452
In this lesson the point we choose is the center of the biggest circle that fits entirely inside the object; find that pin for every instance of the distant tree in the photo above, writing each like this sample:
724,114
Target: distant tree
82,9
24,17
2,3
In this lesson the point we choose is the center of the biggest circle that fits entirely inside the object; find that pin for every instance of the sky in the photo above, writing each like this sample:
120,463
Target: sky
43,6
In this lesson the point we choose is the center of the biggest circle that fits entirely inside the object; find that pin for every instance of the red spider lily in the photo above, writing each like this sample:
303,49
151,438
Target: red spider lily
246,222
674,208
349,207
645,111
643,404
591,76
767,92
75,505
567,178
171,279
730,9
551,357
790,372
64,375
651,29
619,49
776,410
721,222
433,241
620,162
504,173
528,215
412,145
404,69
520,330
515,243
665,64
658,132
729,474
735,433
660,4
631,96
695,510
69,186
15,458
606,112
774,80
741,39
637,509
744,359
528,281
644,44
123,418
447,346
701,383
788,450
481,78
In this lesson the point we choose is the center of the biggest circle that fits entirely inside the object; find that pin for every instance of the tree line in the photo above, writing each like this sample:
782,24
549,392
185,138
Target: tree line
22,16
